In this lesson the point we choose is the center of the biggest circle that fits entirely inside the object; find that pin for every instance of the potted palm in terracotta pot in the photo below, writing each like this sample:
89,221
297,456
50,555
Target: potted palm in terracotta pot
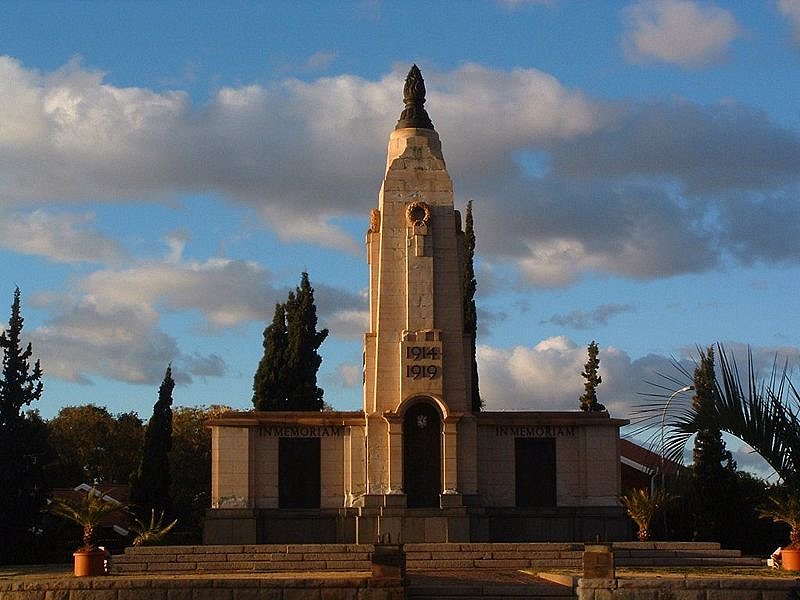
786,509
89,512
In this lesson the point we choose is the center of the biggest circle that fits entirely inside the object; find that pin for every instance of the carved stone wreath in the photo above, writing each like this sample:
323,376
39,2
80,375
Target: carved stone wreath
418,213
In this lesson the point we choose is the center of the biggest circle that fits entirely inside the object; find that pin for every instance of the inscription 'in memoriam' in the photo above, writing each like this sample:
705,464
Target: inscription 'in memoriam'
300,431
535,431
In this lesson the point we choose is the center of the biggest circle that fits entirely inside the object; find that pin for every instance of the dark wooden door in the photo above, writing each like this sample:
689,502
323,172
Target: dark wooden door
422,465
298,472
535,468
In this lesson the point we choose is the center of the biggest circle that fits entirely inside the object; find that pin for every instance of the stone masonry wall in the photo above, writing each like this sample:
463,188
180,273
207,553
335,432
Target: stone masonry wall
202,588
686,588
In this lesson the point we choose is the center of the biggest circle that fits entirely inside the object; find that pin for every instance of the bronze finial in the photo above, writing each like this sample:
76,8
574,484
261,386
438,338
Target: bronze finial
414,114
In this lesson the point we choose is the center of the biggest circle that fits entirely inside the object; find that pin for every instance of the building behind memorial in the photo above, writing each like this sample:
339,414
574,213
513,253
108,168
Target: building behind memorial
417,462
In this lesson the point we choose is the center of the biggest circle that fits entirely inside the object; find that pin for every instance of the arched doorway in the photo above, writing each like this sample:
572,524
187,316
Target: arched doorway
422,465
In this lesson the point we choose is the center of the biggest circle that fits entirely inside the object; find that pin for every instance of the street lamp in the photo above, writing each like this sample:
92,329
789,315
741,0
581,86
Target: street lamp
685,388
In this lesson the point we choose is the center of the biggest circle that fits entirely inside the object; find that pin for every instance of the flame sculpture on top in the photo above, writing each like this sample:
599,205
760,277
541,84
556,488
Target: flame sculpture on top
414,114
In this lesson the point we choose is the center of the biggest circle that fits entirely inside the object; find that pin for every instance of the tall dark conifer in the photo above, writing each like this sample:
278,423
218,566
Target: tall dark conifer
24,446
302,359
269,383
713,468
20,385
286,378
592,380
150,485
469,287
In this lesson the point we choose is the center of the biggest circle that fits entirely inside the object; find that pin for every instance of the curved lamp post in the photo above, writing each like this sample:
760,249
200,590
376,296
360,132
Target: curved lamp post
685,388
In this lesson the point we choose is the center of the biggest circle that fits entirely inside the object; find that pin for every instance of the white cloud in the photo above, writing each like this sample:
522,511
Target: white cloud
583,319
791,10
116,342
59,237
226,292
641,191
349,323
110,324
547,376
681,32
72,137
320,60
349,376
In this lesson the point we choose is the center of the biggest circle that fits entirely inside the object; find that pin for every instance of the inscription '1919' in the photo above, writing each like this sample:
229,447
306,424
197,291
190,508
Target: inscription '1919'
419,371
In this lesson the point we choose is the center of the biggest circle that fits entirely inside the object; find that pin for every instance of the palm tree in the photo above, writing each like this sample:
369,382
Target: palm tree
643,506
763,413
88,513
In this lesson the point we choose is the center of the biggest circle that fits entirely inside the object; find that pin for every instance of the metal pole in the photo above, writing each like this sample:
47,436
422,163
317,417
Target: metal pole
685,388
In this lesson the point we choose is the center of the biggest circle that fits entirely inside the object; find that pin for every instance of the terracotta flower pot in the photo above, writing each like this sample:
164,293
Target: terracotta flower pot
790,559
89,562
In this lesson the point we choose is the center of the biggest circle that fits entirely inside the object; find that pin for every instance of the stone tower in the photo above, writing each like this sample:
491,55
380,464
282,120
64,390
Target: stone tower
416,354
416,463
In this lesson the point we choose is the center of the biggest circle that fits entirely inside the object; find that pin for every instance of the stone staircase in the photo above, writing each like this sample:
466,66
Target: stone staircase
420,557
680,554
243,558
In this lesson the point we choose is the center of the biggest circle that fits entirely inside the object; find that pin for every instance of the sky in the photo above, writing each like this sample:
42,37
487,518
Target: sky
168,170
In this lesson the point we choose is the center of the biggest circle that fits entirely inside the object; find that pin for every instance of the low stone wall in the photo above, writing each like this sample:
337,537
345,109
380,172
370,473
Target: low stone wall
688,588
227,559
202,588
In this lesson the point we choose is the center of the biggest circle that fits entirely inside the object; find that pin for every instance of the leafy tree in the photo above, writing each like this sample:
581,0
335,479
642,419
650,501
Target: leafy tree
286,378
269,383
150,486
593,379
469,287
190,467
302,359
24,447
92,446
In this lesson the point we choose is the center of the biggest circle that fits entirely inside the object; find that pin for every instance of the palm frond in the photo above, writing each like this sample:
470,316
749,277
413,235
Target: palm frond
89,512
762,412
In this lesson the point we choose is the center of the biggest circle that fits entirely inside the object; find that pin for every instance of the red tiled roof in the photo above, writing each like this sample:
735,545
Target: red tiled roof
644,459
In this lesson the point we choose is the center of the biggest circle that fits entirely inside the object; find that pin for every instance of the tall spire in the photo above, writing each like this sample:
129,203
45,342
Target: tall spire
414,114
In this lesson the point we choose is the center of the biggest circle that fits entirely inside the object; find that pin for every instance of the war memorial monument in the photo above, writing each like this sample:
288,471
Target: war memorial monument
417,462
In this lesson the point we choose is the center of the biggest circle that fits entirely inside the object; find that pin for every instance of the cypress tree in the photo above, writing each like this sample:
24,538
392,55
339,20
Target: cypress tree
20,385
24,446
469,287
269,383
713,468
286,378
593,379
303,341
150,485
